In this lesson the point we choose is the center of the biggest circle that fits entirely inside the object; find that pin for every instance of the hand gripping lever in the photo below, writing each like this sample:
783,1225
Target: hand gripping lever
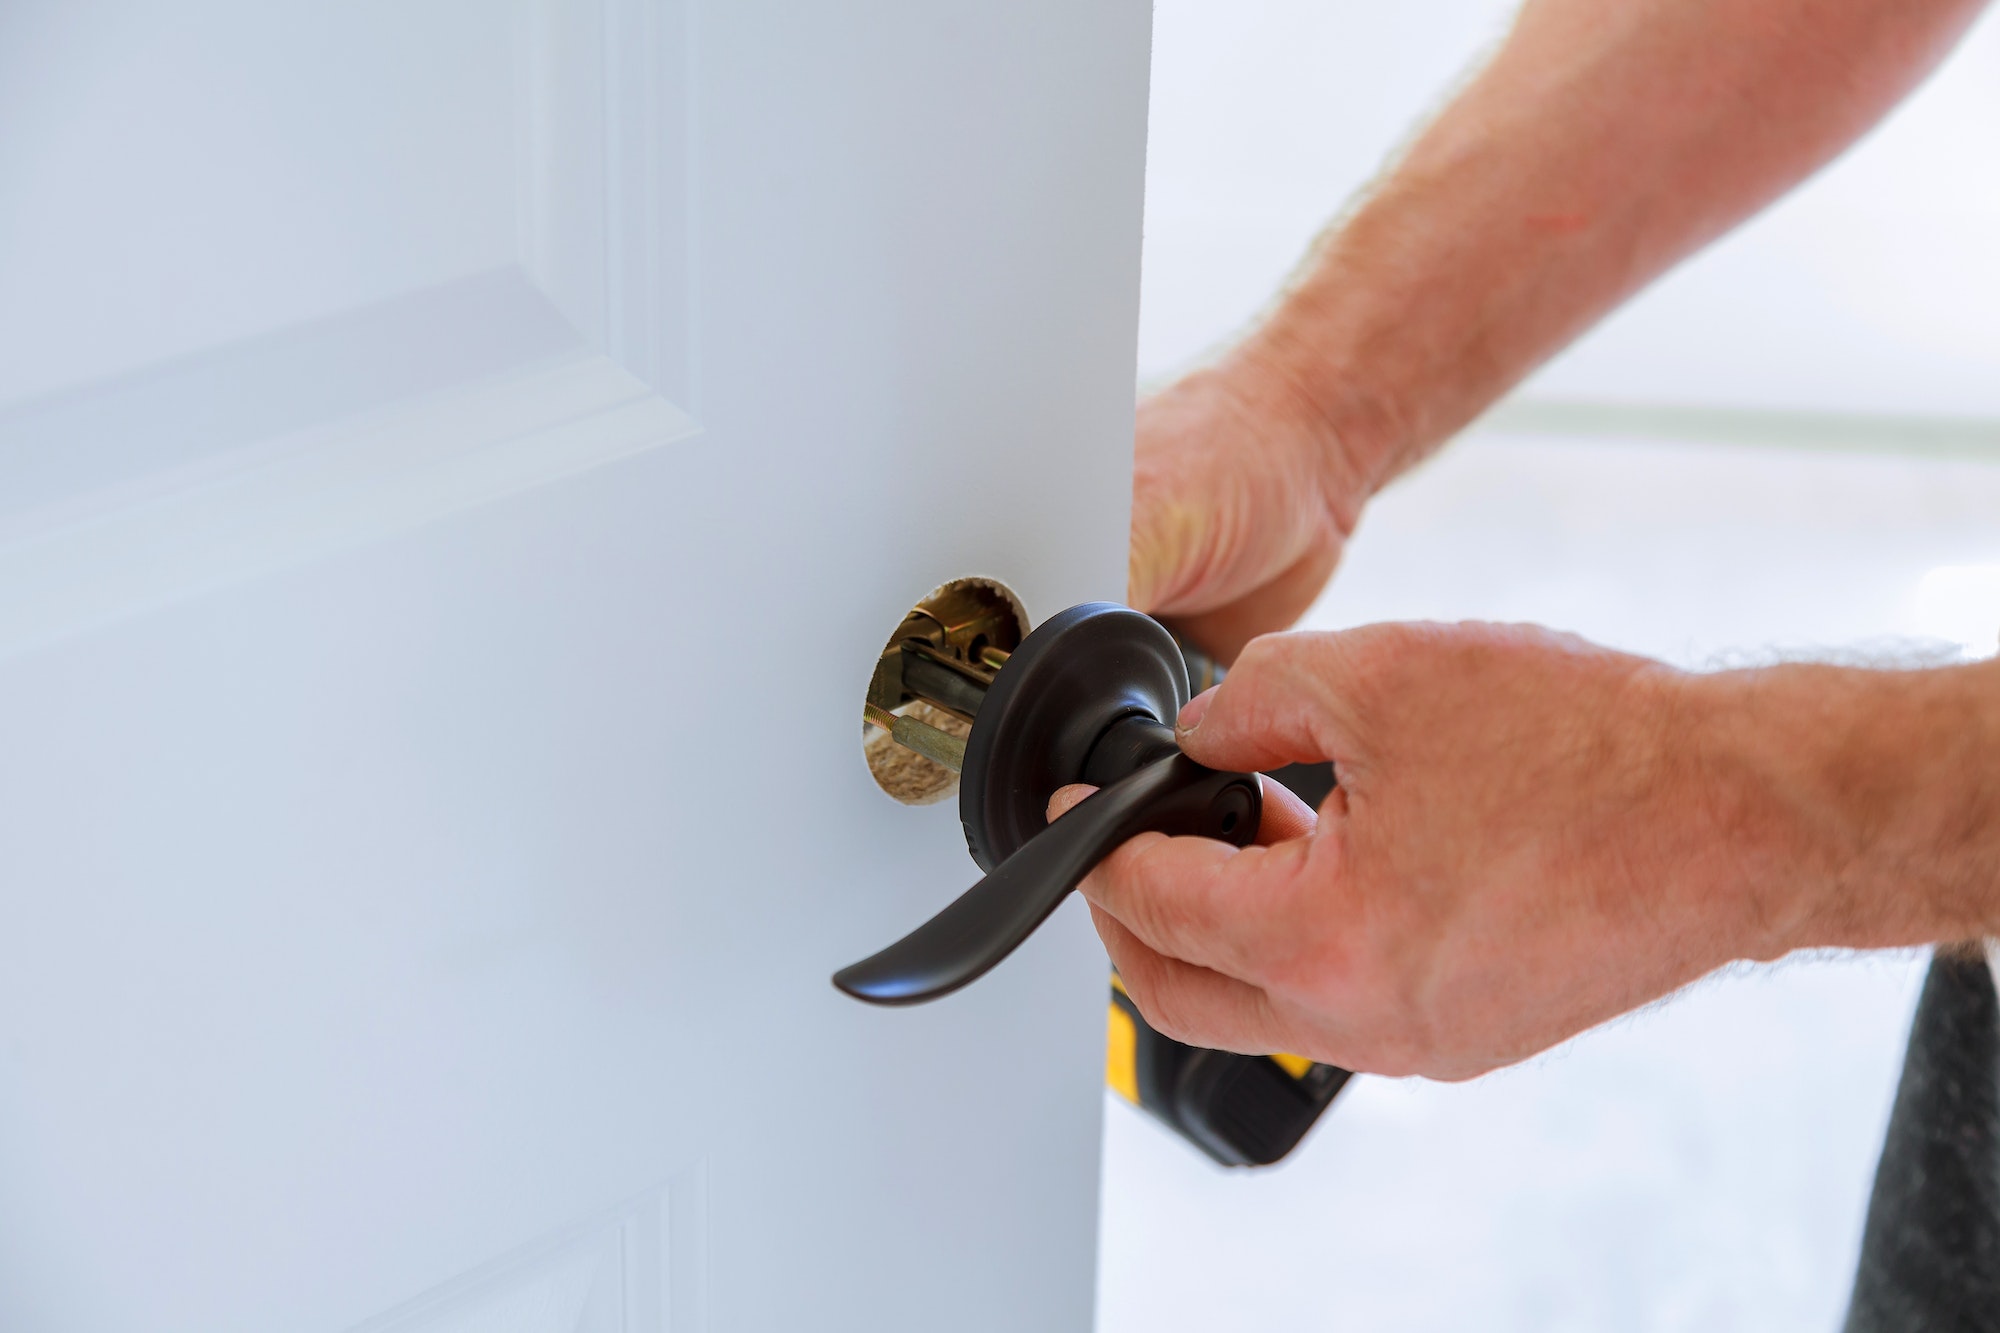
1170,794
1088,697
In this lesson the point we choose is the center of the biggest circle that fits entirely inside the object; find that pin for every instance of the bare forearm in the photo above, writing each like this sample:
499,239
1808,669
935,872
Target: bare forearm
1605,141
1533,834
1854,808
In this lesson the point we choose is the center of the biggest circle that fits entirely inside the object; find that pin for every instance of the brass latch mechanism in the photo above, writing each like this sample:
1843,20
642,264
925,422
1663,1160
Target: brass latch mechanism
1090,696
946,654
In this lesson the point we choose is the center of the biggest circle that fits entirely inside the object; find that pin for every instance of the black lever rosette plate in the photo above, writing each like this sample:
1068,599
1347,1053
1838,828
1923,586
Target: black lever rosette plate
1090,696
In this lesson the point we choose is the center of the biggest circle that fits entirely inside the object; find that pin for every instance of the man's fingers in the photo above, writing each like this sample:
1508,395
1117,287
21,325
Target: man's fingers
1189,897
1280,704
1188,1003
1200,901
1285,815
1067,798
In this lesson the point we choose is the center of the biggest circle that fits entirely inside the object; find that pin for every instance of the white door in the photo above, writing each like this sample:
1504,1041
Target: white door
459,462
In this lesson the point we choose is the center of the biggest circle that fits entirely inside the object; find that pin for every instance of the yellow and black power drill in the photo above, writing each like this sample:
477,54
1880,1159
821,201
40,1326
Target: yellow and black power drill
1242,1110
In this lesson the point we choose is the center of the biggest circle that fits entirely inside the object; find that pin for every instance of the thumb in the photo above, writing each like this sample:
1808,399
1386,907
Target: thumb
1278,705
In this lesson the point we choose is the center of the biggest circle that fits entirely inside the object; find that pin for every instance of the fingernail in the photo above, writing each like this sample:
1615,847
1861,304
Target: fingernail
1190,717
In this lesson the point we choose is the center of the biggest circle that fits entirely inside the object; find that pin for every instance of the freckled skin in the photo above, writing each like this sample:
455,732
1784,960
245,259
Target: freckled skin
1600,145
1532,834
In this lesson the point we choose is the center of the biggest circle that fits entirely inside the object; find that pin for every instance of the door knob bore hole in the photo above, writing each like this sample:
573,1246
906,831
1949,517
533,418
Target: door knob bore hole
934,669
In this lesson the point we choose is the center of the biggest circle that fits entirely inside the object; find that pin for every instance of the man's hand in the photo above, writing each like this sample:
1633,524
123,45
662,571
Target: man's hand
1599,145
1533,835
1242,498
1512,856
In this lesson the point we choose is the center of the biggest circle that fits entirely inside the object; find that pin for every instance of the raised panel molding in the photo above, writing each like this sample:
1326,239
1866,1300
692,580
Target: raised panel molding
641,1268
318,490
608,178
126,494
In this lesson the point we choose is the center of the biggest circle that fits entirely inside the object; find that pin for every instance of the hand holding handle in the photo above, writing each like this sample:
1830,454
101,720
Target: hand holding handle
987,922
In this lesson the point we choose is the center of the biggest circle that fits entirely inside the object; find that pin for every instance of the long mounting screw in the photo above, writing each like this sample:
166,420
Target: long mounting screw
940,747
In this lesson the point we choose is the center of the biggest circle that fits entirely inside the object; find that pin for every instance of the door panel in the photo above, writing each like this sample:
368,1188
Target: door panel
457,465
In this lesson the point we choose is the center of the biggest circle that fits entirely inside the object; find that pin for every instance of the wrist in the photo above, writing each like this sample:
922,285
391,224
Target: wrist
1853,808
1325,414
1370,338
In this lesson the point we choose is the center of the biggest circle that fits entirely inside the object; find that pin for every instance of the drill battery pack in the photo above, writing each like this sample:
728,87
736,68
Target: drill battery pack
1241,1110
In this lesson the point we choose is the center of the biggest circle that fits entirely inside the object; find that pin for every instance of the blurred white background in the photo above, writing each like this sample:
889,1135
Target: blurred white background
1792,445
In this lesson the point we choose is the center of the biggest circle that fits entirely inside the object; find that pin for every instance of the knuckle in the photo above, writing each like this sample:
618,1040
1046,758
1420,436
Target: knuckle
1125,879
1377,652
1166,1011
1114,881
1163,1001
1259,654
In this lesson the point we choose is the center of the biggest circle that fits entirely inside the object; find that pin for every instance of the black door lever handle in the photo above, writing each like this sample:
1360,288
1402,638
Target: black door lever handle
1171,794
1090,697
